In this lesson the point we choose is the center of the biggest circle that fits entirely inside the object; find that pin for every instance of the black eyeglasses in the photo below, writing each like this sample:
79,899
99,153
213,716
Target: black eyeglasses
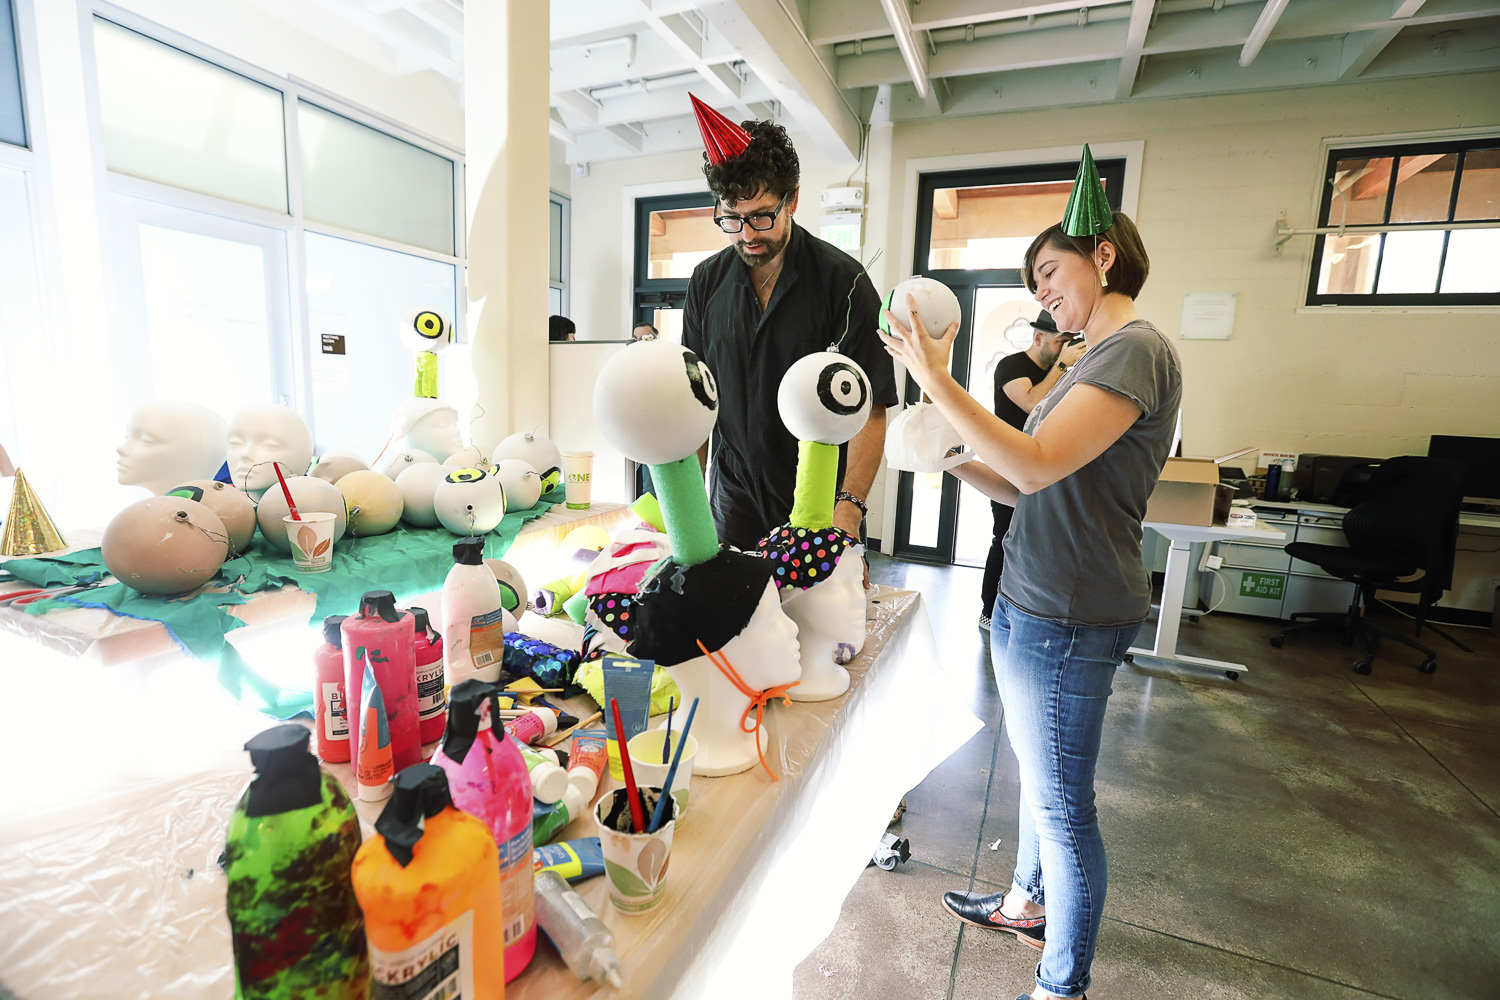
759,221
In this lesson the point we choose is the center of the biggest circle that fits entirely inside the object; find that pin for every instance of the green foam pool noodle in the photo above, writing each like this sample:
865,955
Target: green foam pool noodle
577,606
684,507
817,483
647,509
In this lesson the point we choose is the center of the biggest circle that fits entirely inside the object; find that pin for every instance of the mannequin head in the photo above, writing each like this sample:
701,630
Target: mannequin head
262,434
170,442
427,425
830,619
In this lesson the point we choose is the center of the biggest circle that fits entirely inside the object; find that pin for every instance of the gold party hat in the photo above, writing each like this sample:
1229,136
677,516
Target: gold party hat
28,529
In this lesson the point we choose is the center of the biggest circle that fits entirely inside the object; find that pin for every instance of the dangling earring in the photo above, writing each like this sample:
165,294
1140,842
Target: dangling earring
1103,279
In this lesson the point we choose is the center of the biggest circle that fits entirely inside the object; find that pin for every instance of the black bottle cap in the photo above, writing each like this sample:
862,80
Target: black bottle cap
469,551
420,792
379,602
332,633
421,621
465,705
286,775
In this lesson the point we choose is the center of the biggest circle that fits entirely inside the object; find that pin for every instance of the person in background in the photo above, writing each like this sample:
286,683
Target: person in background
1021,380
644,331
560,328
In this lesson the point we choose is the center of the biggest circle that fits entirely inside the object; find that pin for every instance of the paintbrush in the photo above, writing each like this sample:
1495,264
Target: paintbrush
632,793
291,505
666,788
557,738
666,744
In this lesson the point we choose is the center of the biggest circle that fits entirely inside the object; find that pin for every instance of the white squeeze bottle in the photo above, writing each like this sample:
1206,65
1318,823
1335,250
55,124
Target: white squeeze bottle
473,618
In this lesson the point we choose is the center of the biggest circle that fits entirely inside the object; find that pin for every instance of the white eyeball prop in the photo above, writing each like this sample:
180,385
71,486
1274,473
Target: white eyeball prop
234,507
418,485
824,397
468,502
469,458
165,545
312,496
537,452
936,305
403,460
374,502
523,487
512,586
426,330
656,402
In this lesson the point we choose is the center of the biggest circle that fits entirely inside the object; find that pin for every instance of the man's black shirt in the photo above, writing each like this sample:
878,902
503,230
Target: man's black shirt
821,290
1010,368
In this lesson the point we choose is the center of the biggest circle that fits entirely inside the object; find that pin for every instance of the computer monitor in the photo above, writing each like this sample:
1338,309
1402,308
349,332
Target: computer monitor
1480,458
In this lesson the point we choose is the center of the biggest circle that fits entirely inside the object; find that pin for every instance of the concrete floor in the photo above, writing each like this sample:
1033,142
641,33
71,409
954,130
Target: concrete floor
1301,832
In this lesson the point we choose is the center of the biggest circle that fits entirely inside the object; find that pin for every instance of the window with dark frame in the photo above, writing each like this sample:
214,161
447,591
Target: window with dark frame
673,233
1420,225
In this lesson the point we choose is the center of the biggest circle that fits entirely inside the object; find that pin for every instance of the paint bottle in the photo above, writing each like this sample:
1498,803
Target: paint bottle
537,724
473,619
582,940
385,639
432,696
296,926
488,780
373,769
548,780
549,819
333,715
586,765
428,882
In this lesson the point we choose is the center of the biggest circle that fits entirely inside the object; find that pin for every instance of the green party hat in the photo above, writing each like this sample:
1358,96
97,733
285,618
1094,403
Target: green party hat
1088,212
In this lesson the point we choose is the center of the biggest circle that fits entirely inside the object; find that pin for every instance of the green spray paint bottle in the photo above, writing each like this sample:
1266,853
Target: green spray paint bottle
298,930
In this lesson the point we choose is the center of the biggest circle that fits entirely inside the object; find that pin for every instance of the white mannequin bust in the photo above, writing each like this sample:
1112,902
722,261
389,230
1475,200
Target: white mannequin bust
765,656
170,442
261,434
830,619
428,425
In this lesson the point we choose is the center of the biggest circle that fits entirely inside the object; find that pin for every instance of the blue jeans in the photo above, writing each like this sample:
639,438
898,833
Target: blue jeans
1054,682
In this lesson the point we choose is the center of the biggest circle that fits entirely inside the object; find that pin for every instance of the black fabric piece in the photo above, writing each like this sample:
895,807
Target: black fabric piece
748,351
712,601
618,817
332,633
468,551
421,792
379,602
287,777
465,704
1008,369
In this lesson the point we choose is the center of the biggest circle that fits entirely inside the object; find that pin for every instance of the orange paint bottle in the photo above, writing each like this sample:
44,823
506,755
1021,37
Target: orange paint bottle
428,882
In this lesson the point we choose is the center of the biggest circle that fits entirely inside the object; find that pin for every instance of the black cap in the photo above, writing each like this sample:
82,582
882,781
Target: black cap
287,777
379,602
421,621
420,792
465,704
1045,323
332,633
469,551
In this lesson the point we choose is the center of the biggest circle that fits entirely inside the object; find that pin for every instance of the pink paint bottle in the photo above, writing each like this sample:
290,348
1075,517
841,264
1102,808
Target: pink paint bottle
488,779
432,699
537,724
334,718
385,638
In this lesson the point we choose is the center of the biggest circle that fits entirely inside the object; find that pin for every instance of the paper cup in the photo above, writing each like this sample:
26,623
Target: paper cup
312,541
645,759
578,478
635,863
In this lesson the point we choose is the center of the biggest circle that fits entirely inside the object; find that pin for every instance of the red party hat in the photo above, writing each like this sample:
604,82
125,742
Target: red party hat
722,138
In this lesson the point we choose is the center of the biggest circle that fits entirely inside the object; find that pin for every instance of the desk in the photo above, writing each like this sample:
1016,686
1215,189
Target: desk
1168,620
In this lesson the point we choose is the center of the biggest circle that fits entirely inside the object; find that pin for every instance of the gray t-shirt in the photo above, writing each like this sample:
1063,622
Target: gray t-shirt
1073,552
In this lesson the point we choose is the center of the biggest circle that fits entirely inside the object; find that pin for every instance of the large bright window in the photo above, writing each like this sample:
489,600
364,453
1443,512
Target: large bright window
673,235
1414,224
559,252
12,116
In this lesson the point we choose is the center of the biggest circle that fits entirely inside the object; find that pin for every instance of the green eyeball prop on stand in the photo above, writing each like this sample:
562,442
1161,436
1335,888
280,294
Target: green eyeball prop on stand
936,304
468,502
824,397
426,332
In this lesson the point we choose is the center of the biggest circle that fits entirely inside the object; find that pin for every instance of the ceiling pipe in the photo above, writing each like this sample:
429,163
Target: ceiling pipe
1269,15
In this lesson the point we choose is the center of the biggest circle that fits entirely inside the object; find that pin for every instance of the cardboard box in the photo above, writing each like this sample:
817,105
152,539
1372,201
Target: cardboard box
1189,492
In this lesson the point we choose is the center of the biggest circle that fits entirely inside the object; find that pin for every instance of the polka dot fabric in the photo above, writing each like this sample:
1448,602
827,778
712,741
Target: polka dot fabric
803,557
617,612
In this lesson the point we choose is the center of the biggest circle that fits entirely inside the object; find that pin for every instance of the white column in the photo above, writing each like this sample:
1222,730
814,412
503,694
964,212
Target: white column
506,86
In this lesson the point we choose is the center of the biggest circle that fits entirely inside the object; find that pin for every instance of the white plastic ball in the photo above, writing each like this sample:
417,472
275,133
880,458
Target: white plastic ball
469,458
403,460
656,402
335,465
467,502
936,305
312,496
825,397
374,502
536,451
523,487
426,330
418,484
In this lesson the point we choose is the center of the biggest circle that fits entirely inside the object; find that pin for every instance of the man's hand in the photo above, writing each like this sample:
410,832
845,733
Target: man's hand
1069,355
846,517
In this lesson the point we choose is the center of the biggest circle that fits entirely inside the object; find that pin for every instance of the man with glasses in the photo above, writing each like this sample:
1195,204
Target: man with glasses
775,295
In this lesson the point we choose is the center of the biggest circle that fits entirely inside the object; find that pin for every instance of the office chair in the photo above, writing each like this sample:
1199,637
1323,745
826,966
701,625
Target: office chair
1407,523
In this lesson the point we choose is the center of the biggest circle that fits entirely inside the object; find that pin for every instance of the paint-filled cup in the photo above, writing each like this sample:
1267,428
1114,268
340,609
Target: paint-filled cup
578,478
635,863
646,761
312,541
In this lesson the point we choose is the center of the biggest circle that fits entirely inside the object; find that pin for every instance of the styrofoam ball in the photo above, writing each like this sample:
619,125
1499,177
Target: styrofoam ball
335,465
512,585
374,502
312,496
165,545
418,484
426,330
656,402
523,487
469,458
403,460
824,397
536,451
936,305
468,502
234,507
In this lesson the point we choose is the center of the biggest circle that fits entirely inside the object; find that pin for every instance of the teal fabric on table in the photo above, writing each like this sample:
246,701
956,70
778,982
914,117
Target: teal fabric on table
406,561
82,567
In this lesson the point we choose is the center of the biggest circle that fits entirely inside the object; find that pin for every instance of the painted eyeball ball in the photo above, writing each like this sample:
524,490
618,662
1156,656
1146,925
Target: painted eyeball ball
165,545
426,330
523,487
312,496
656,402
824,397
403,460
469,458
468,502
936,305
512,586
335,465
536,451
418,485
234,507
374,502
